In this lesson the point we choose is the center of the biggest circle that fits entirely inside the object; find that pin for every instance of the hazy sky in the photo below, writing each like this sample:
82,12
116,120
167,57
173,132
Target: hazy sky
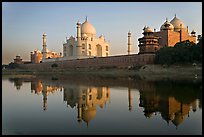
23,23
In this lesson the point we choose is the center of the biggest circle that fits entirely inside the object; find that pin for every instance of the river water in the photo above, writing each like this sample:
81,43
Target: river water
85,105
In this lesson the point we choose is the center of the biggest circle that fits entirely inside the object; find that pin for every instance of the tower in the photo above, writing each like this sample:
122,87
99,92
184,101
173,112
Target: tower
180,32
148,43
45,94
79,107
130,99
78,45
129,42
44,52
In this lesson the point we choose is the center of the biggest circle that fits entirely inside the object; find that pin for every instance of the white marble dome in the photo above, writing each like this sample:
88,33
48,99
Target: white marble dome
87,28
176,23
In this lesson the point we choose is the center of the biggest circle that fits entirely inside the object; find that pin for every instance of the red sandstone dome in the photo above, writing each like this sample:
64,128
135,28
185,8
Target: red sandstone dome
147,29
167,25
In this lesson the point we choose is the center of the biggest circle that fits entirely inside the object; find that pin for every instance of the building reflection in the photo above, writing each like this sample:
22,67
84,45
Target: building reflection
18,82
171,100
86,99
174,107
39,88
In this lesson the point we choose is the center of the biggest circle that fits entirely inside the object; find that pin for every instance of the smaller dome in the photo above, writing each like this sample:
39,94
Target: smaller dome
167,25
101,37
193,32
84,35
147,29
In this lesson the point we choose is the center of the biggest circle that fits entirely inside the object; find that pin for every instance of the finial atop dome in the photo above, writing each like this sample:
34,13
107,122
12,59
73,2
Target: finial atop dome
144,27
86,19
166,19
193,32
175,15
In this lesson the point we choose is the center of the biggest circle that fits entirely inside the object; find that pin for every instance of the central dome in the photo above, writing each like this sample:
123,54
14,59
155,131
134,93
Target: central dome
87,28
176,23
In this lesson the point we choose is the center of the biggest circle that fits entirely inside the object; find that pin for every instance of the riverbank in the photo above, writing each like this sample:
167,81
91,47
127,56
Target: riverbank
144,72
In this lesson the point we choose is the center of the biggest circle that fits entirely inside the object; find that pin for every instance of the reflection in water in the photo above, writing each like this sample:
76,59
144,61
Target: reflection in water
86,99
173,100
130,99
39,87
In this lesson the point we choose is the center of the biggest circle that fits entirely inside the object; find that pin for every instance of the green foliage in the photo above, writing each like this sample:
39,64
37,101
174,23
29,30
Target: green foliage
182,53
4,66
199,40
12,65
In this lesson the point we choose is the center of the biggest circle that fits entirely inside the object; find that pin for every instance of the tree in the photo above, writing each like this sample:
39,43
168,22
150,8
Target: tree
199,40
182,53
12,65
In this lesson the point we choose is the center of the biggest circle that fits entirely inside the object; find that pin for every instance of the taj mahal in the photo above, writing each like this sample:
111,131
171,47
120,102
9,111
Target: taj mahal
84,45
88,50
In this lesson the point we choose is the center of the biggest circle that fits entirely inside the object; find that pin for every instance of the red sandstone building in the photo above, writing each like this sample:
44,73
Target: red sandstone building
170,33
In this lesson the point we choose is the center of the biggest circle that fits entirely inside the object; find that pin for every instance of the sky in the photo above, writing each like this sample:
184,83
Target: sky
23,23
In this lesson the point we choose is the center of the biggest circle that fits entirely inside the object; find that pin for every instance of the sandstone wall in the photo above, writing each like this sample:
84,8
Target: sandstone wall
122,61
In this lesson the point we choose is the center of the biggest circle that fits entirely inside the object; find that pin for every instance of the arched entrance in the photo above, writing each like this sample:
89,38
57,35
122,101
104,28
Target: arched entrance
98,50
70,50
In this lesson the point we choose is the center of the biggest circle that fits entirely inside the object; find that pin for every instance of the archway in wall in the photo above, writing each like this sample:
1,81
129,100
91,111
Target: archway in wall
98,50
70,50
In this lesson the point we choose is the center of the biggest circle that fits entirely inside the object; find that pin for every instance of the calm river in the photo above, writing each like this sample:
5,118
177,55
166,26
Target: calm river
100,105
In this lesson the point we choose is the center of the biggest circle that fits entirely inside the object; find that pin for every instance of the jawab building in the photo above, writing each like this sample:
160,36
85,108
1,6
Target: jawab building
170,33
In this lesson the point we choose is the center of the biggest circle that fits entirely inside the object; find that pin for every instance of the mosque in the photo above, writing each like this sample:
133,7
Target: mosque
170,33
93,51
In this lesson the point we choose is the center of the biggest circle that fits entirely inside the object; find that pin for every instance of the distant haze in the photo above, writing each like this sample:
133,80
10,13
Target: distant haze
23,23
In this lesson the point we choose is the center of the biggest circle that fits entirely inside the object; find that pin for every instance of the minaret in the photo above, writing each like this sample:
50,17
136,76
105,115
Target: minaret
129,42
130,99
45,93
78,46
79,113
44,46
